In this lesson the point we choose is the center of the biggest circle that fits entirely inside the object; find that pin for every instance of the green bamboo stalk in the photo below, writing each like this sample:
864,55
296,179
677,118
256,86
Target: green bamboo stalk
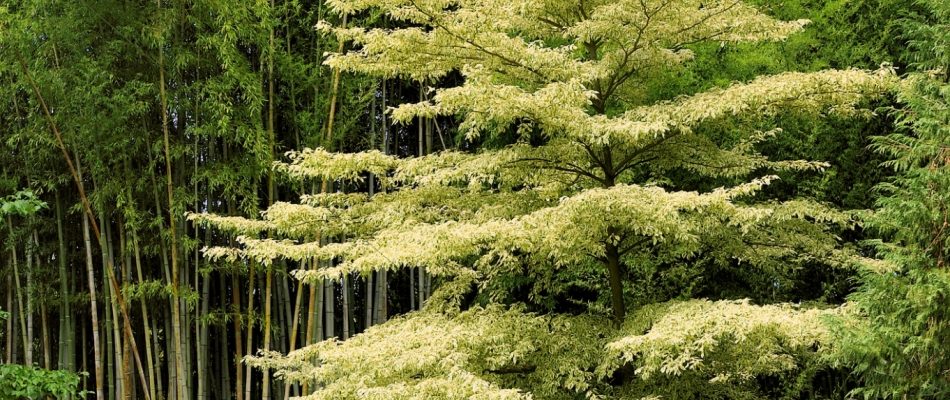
9,342
236,301
328,303
293,329
224,370
173,381
19,290
45,333
312,317
287,323
176,311
250,326
15,314
108,294
346,307
65,324
29,303
97,350
146,321
44,328
203,334
126,257
270,200
78,180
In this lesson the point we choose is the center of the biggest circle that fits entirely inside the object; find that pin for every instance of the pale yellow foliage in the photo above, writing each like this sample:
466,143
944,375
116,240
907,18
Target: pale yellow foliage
474,354
724,340
567,72
505,353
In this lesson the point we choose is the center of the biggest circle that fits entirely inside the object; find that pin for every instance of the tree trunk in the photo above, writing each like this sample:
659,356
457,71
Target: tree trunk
616,286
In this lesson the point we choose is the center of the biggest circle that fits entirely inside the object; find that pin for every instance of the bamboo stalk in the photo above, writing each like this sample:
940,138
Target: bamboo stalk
29,304
10,342
44,328
224,369
84,352
126,258
45,333
203,339
108,296
238,345
288,311
176,311
203,331
15,314
312,317
97,352
296,323
64,312
346,308
369,304
147,321
250,325
19,291
82,195
328,303
270,201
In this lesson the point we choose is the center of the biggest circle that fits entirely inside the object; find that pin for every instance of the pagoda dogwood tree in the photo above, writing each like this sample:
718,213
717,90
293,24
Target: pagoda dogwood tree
587,197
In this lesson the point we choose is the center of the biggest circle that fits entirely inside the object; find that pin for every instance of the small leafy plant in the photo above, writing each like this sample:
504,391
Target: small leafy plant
21,382
23,203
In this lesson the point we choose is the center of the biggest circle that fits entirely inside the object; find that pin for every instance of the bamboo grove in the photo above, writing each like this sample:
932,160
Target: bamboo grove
191,102
421,199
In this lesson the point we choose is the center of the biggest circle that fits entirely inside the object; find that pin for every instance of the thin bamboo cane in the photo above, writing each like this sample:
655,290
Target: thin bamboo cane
147,321
19,291
82,195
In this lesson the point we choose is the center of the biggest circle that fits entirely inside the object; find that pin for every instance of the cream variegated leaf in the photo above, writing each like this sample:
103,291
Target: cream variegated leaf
470,354
586,193
723,340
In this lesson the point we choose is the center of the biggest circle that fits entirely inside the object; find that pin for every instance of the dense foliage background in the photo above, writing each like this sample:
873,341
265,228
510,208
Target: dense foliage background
178,108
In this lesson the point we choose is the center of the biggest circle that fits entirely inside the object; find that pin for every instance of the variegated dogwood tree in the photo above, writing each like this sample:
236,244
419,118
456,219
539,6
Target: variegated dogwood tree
589,193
